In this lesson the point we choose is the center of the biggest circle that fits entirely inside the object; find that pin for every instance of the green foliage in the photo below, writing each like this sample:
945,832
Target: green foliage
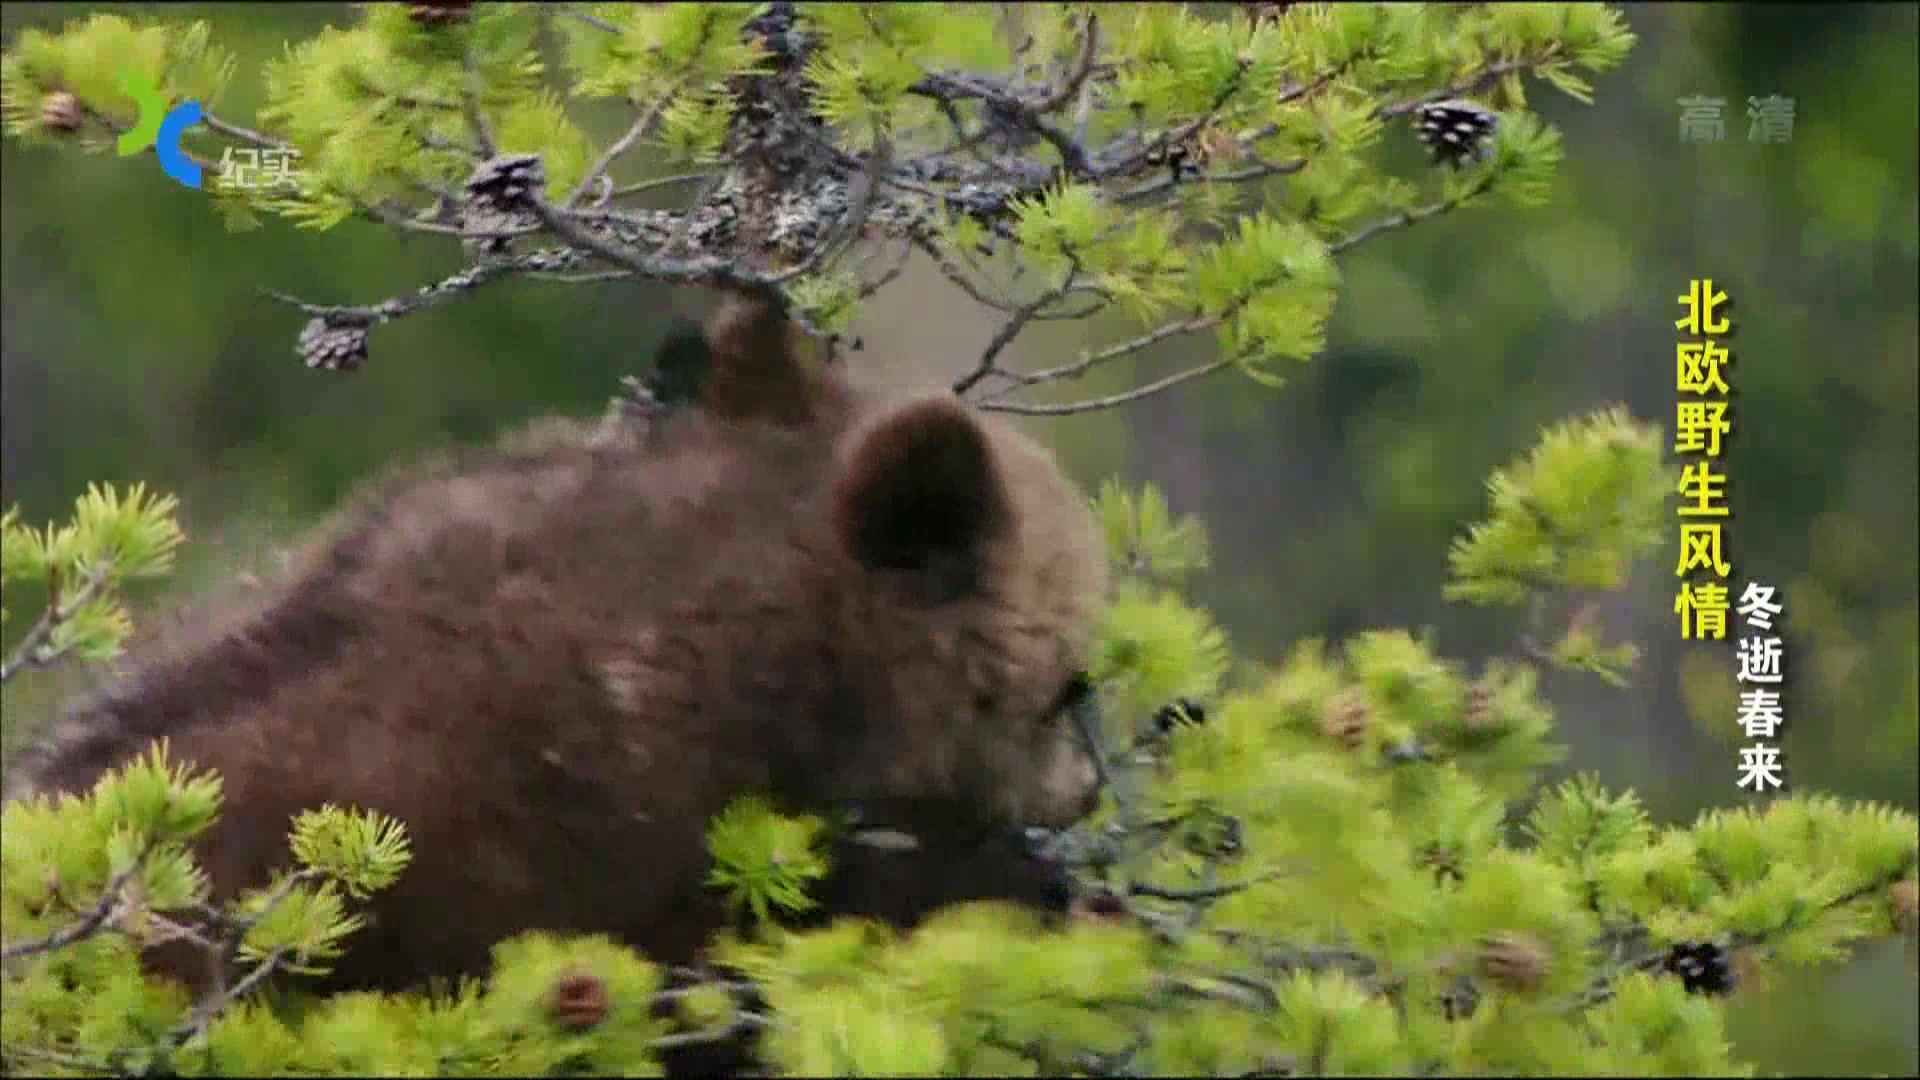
1154,647
87,60
1143,537
83,566
974,989
86,881
390,117
1313,877
1305,898
1574,515
764,861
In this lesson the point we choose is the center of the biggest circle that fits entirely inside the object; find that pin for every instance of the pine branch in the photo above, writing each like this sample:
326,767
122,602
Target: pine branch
34,649
90,923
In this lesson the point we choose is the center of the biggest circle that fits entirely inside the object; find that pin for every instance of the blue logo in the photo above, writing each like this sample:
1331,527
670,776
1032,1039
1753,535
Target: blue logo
160,128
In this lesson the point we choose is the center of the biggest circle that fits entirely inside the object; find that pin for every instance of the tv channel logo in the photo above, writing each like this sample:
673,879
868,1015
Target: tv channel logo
160,128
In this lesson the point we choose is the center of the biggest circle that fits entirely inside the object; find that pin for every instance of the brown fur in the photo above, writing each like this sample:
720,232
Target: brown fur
556,660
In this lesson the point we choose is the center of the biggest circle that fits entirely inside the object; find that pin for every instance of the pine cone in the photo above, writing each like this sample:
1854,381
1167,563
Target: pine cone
1514,961
61,111
1703,967
1903,900
1479,704
577,1002
503,183
1454,131
439,12
1346,720
329,347
483,222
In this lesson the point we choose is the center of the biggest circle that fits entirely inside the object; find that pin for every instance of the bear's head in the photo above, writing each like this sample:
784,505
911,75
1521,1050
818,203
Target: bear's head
975,570
958,572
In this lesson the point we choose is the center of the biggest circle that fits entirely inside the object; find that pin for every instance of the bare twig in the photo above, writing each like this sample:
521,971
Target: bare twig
544,261
886,277
1259,171
1408,217
477,125
1214,892
954,274
233,930
1472,84
946,89
964,141
642,125
1125,348
171,929
1223,986
214,1003
594,21
950,88
645,186
743,1021
237,926
1012,327
233,130
588,278
1069,87
69,1062
1110,401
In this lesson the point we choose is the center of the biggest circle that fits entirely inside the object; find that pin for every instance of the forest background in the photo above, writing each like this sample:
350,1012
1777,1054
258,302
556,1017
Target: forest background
136,348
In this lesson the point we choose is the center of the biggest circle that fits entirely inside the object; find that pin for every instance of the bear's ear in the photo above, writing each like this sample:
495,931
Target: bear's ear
758,359
921,494
683,361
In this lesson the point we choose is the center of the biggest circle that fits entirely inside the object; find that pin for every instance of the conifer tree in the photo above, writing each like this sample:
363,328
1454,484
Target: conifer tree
1308,867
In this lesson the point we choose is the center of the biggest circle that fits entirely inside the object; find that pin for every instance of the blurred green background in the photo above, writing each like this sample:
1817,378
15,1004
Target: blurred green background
136,348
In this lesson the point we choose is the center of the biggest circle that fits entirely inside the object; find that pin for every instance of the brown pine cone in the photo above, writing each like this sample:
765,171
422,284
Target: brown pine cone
500,184
328,347
1514,961
1346,720
60,111
1479,704
1903,898
577,1002
439,12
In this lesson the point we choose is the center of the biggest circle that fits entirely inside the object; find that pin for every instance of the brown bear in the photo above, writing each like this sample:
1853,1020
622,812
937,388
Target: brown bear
556,660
